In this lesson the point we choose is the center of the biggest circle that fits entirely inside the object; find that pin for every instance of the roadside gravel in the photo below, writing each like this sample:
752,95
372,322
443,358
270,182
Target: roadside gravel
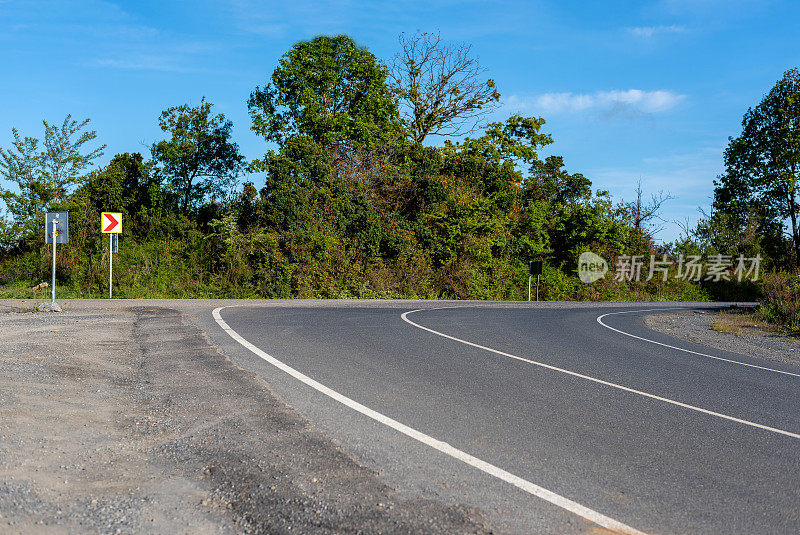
695,326
124,419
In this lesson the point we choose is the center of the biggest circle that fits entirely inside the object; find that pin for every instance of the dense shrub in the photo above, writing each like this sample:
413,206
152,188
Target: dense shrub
781,303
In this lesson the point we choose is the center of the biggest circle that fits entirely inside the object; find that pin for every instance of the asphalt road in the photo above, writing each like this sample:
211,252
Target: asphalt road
655,438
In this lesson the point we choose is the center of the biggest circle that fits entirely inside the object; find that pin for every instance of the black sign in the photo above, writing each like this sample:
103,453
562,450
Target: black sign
535,267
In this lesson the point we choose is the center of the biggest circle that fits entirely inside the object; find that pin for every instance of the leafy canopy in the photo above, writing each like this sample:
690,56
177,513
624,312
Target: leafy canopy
199,160
44,174
329,89
762,165
126,185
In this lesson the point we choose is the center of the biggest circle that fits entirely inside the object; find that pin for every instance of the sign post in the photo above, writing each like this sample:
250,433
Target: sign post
53,285
534,268
56,230
111,224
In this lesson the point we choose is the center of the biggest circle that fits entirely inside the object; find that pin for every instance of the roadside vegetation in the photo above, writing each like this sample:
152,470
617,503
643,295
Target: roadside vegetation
357,202
781,302
742,321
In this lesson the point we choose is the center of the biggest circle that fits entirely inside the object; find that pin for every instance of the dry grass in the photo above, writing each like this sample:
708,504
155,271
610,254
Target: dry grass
742,321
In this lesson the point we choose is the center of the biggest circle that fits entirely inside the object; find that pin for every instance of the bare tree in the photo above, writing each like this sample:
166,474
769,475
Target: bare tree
643,212
440,86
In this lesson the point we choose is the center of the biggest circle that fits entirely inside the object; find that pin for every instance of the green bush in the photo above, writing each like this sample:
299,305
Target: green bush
781,301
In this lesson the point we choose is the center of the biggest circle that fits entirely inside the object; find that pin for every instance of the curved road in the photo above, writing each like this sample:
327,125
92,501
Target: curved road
545,418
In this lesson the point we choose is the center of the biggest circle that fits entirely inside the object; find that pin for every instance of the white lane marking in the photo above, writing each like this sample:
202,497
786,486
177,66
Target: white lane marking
596,380
600,321
447,449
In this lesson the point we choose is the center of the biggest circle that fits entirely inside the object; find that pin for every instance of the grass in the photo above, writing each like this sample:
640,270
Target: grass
21,291
742,321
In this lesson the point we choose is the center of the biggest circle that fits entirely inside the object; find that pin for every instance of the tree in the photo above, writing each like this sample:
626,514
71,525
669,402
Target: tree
549,181
44,176
126,185
199,159
331,90
515,141
595,224
762,165
642,212
440,86
295,175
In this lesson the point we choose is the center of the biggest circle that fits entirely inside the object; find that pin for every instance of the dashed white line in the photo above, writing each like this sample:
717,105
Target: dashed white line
732,361
600,381
443,447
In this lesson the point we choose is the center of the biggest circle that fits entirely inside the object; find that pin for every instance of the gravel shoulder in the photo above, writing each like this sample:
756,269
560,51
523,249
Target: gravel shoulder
696,326
124,419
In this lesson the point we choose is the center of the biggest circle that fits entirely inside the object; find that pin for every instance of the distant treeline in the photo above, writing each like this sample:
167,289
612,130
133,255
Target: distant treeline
354,203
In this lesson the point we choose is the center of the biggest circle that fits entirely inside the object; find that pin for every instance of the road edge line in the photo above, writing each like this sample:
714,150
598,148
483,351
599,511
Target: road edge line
443,447
732,361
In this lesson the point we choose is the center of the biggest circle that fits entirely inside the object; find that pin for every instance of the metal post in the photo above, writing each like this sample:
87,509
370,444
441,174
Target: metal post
110,263
529,287
54,262
537,287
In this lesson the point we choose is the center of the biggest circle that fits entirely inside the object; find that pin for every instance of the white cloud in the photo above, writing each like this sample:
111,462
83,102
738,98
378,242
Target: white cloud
648,32
150,62
560,102
630,102
638,100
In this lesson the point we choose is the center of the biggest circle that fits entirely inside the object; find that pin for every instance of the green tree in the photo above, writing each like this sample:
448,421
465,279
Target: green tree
514,142
199,160
295,175
331,90
762,167
549,181
44,174
595,224
126,185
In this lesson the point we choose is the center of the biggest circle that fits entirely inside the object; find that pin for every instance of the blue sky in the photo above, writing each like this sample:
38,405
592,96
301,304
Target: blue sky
630,90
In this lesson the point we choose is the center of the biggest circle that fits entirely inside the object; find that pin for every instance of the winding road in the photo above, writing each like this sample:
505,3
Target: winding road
574,419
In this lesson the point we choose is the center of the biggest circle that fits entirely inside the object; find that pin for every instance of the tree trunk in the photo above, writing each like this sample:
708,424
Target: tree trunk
795,233
793,213
187,196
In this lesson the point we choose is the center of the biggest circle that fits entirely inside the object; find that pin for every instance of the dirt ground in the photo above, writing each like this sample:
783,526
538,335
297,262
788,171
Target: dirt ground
130,422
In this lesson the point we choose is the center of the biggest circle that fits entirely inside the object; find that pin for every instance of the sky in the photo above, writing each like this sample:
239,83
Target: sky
630,91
